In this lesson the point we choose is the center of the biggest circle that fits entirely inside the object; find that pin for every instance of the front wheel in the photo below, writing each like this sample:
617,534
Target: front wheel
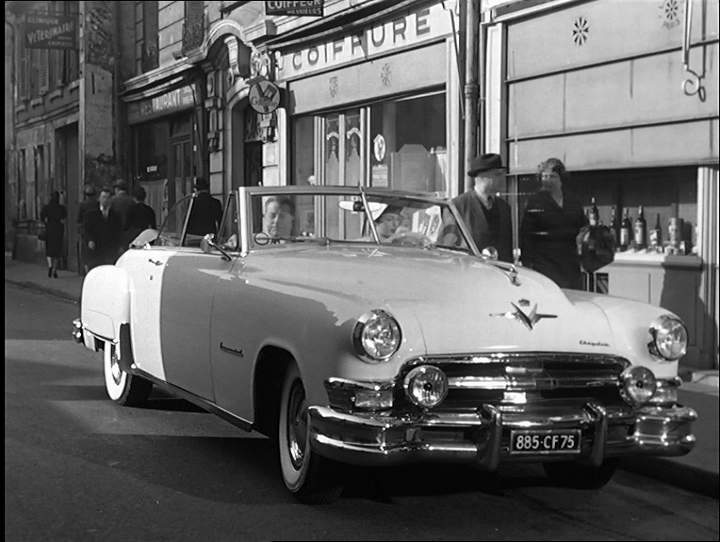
578,475
310,477
122,387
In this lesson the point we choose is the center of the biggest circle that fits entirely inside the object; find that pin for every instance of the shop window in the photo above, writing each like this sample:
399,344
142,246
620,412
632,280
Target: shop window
400,144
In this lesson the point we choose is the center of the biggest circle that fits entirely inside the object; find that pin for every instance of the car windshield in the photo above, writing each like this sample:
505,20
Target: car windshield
386,219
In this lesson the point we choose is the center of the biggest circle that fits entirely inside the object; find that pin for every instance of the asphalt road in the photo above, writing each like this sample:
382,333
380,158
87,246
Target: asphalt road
78,467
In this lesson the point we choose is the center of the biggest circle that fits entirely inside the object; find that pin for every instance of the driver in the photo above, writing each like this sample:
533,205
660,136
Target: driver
278,217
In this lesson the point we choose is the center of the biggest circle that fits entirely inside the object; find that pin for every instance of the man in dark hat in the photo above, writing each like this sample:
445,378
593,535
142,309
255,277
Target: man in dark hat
87,205
487,216
206,211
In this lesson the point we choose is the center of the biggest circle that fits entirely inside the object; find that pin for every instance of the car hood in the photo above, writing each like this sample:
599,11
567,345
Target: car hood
461,303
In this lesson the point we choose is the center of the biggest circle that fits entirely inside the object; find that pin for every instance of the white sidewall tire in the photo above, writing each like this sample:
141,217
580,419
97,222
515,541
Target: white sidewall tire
294,478
115,389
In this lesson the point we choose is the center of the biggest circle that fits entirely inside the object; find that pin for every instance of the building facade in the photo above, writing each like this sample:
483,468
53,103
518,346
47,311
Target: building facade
64,128
627,97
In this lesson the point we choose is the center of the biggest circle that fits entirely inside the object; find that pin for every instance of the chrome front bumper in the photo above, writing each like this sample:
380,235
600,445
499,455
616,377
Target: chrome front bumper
482,437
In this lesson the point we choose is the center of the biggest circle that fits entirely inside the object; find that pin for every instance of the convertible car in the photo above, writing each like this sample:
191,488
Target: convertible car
363,326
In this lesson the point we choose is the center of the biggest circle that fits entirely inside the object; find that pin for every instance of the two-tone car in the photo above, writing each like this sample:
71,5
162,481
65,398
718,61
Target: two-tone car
363,326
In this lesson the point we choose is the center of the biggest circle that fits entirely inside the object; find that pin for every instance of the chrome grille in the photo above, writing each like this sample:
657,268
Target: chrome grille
528,377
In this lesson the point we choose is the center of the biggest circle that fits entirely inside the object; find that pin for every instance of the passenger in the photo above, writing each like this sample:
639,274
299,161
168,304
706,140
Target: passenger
550,225
486,216
278,218
206,211
389,223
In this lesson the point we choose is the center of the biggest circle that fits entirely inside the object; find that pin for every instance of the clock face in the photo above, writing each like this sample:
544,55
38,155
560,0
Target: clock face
264,96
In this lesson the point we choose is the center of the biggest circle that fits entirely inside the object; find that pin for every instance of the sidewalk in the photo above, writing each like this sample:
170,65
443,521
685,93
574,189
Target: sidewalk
697,471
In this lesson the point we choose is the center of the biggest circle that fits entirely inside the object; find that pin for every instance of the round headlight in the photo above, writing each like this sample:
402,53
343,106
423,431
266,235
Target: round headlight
426,386
376,336
669,338
638,385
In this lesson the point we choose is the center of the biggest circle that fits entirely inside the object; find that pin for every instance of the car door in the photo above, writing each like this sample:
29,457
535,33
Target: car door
189,279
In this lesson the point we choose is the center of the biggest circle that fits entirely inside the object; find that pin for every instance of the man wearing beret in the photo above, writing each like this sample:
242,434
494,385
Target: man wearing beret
487,216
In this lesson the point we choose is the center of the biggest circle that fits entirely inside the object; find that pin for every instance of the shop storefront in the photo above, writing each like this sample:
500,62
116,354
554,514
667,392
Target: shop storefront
606,93
164,146
376,103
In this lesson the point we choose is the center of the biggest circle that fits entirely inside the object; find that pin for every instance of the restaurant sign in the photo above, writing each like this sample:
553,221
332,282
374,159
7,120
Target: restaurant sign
309,8
175,100
406,29
48,31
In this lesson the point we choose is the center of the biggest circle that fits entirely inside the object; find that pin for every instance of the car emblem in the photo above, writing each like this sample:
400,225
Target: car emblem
529,319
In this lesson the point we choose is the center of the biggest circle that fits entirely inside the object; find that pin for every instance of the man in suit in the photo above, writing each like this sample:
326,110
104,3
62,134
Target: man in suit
102,232
487,216
206,211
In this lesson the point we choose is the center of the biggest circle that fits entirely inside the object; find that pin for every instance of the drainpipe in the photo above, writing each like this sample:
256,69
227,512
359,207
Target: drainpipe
471,84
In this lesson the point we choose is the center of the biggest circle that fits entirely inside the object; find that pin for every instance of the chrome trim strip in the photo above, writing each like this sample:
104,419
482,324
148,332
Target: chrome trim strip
201,402
347,384
528,383
507,357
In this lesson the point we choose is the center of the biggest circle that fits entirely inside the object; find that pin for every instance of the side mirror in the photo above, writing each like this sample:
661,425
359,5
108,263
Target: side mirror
146,237
207,244
490,253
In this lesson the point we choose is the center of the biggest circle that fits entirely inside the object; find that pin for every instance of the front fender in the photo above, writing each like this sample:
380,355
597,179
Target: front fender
105,301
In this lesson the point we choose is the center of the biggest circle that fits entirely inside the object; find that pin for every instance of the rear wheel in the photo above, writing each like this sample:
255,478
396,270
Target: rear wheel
122,387
310,477
578,475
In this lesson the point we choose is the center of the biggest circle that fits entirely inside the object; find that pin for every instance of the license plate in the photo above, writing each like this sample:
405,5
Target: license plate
545,442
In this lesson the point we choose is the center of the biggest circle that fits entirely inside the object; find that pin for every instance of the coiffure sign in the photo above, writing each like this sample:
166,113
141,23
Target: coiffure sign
45,31
405,30
308,8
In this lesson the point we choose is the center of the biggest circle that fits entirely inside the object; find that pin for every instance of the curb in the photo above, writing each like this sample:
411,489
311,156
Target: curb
675,473
50,291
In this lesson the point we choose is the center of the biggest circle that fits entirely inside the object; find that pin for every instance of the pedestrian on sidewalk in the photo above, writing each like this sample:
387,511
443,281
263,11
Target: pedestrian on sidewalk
120,207
53,215
206,211
102,228
551,222
87,205
487,216
140,215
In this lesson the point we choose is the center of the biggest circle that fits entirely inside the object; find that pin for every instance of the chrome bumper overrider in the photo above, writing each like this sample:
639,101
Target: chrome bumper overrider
482,437
77,331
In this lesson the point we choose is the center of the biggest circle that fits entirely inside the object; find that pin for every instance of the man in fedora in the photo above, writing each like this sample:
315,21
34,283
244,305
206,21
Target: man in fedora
487,216
206,211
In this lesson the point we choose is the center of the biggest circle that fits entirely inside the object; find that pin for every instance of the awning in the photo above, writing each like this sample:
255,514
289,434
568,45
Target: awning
342,22
149,87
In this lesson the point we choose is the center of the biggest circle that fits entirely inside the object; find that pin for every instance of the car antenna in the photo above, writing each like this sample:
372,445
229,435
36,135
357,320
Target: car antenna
368,213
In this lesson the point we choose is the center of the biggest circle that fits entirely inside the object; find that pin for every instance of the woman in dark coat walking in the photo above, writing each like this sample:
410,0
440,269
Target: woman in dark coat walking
53,215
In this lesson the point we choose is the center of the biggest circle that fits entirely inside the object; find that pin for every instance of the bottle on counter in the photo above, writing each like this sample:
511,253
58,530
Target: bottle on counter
625,228
656,235
614,227
594,215
640,230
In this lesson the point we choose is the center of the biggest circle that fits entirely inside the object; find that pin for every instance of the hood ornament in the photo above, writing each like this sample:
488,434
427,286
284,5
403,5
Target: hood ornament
528,319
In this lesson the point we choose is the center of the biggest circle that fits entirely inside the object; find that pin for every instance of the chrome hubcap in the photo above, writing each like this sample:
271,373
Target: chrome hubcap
115,367
297,424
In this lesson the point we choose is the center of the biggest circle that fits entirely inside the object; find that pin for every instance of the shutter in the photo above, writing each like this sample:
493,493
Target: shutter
44,70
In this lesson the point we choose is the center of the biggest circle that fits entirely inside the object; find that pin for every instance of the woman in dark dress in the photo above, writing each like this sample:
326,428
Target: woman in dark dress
53,215
550,225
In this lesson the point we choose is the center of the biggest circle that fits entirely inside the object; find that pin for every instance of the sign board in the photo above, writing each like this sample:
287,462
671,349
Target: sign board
411,28
313,8
175,100
48,31
264,96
